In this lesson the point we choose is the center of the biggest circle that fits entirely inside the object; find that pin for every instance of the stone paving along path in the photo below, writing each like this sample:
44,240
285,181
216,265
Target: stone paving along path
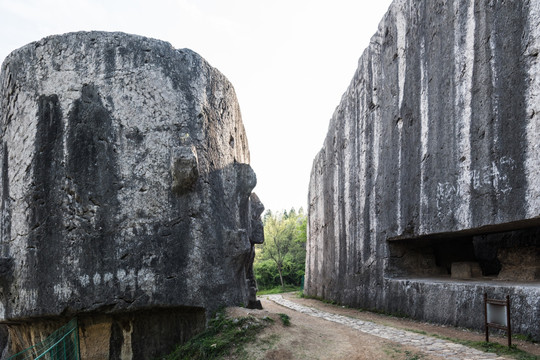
427,344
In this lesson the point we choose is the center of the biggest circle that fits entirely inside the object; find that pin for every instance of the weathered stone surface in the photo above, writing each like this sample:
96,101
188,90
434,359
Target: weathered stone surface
519,264
127,335
432,158
465,270
125,186
256,236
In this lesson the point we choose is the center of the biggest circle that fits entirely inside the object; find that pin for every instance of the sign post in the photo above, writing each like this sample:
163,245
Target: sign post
497,315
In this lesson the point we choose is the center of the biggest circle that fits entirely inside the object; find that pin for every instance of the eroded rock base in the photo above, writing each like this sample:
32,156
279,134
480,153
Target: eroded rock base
463,302
128,336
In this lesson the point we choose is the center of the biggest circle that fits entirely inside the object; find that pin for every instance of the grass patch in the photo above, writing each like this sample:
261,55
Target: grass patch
413,356
318,298
335,303
420,332
396,352
498,349
268,342
278,290
223,336
285,319
523,337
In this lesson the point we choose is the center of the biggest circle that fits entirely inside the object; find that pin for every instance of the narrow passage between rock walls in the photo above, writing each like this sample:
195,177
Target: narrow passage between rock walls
429,345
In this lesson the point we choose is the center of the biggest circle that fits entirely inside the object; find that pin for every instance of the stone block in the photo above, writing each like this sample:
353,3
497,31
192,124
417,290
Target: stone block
465,270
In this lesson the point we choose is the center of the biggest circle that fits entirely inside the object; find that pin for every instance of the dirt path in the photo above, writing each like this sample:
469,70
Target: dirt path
400,323
311,337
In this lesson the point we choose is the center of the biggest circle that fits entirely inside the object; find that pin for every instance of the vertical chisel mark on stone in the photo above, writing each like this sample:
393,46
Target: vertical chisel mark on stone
424,134
92,170
46,237
509,181
5,231
401,28
399,126
463,77
532,164
375,152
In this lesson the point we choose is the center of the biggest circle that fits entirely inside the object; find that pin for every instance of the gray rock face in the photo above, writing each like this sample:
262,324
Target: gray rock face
125,185
432,158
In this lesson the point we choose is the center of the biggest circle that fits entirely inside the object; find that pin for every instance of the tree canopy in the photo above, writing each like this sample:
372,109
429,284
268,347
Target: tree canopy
281,259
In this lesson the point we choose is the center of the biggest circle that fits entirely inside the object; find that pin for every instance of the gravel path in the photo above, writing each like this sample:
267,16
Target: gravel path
424,343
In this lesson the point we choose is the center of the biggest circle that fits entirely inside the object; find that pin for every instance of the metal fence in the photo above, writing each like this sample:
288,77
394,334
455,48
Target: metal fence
63,344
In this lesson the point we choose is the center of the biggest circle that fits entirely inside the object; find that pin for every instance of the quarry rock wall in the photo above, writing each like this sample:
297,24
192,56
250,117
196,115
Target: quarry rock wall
125,187
432,162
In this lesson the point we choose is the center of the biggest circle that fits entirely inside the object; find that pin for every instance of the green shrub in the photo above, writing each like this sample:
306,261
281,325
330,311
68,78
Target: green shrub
278,290
281,259
223,336
285,319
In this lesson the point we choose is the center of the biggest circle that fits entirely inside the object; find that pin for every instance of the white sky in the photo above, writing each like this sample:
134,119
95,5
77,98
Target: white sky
289,61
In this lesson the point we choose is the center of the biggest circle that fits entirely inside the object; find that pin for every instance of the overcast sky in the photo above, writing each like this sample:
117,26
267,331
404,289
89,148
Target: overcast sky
289,61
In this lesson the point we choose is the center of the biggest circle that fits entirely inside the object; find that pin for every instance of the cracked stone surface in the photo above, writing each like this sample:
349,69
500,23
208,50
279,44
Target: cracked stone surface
126,186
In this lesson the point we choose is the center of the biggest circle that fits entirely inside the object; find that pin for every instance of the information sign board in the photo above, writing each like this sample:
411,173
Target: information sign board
497,315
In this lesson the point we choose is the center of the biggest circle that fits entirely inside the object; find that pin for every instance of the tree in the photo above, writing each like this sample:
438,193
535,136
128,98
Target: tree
283,251
278,234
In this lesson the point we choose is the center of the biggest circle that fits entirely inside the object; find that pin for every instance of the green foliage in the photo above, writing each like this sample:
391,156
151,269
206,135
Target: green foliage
499,349
281,259
394,351
266,273
223,336
413,356
285,319
278,290
524,337
326,301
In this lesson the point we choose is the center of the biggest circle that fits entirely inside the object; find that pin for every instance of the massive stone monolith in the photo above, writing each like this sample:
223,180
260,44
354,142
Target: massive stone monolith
426,193
125,193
